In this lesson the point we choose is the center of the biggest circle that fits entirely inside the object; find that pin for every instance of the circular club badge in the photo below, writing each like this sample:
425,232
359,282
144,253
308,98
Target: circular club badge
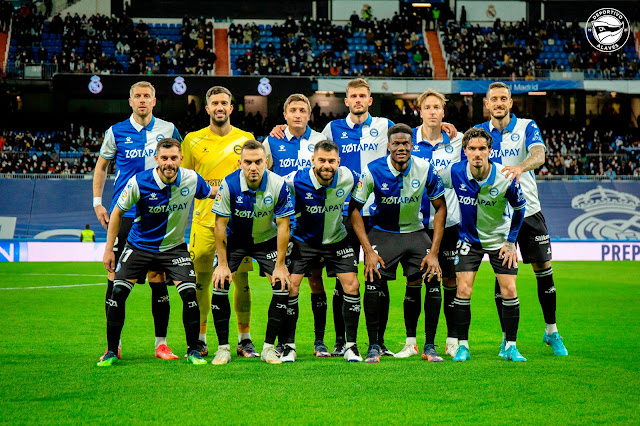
264,88
607,29
95,85
179,86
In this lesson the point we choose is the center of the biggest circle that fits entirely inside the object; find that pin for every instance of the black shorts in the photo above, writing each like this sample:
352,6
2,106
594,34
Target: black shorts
448,250
469,259
339,257
264,253
175,263
125,227
533,240
407,249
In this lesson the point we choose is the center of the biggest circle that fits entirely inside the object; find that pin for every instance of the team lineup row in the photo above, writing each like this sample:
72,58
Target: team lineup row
472,195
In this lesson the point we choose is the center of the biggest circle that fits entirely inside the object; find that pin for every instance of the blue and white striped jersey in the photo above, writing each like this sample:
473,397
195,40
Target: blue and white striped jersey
511,147
398,195
292,153
251,213
319,208
483,205
441,156
133,147
359,144
163,210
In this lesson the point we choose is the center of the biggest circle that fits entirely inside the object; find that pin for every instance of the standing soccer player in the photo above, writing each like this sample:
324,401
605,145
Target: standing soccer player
132,144
484,193
398,183
163,196
214,152
431,143
320,193
517,144
286,155
246,205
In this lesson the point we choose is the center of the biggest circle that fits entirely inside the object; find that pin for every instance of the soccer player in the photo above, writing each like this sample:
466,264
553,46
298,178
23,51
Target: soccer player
163,196
214,152
517,144
398,183
320,193
286,155
247,203
484,191
132,144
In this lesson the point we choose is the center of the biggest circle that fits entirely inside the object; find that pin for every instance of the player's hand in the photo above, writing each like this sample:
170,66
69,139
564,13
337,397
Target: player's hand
221,275
509,255
103,215
433,266
280,273
372,261
511,172
278,131
449,129
109,260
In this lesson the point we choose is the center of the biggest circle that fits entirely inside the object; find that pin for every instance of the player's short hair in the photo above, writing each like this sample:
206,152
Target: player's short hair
251,145
142,84
432,92
476,132
216,90
168,143
326,145
497,85
399,128
297,97
356,83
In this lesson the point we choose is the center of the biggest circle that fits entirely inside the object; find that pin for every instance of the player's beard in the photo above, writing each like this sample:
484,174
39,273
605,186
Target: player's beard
219,122
320,174
174,169
504,113
359,113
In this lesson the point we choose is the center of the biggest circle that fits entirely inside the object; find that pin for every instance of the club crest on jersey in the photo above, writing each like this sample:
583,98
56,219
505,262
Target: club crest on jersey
205,149
515,137
308,196
268,200
415,183
184,192
311,147
494,192
153,196
239,199
385,187
448,148
344,135
340,192
282,148
159,137
237,149
373,132
128,140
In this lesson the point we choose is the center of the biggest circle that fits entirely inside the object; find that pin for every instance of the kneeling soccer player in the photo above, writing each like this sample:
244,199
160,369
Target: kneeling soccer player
156,241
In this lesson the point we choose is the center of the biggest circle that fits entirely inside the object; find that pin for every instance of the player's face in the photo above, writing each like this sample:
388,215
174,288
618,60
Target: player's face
142,101
498,102
478,152
358,100
297,115
219,109
432,112
325,164
253,163
168,160
399,147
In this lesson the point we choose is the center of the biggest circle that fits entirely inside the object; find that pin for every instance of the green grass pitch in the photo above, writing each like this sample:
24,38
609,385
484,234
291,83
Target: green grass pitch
51,339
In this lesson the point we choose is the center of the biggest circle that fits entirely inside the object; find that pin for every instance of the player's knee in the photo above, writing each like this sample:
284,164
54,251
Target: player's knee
464,291
449,282
509,291
121,289
541,266
315,283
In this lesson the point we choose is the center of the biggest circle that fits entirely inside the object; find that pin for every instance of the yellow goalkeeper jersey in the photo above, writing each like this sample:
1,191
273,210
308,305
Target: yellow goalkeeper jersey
213,157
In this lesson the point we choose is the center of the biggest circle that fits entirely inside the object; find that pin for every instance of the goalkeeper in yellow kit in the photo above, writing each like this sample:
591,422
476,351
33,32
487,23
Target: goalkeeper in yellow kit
214,152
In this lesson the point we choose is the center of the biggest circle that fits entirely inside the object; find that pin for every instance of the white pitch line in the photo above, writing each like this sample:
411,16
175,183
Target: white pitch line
51,286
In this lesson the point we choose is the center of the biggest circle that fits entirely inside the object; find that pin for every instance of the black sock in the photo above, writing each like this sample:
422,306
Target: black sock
432,303
116,313
190,313
547,295
351,313
462,309
338,320
511,316
498,300
449,293
383,312
412,307
108,295
319,309
221,312
276,315
371,309
292,318
160,308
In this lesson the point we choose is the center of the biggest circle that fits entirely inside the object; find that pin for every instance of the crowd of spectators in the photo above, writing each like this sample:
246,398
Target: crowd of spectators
390,47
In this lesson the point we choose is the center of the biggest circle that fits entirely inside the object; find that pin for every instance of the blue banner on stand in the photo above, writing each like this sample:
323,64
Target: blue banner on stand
481,86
